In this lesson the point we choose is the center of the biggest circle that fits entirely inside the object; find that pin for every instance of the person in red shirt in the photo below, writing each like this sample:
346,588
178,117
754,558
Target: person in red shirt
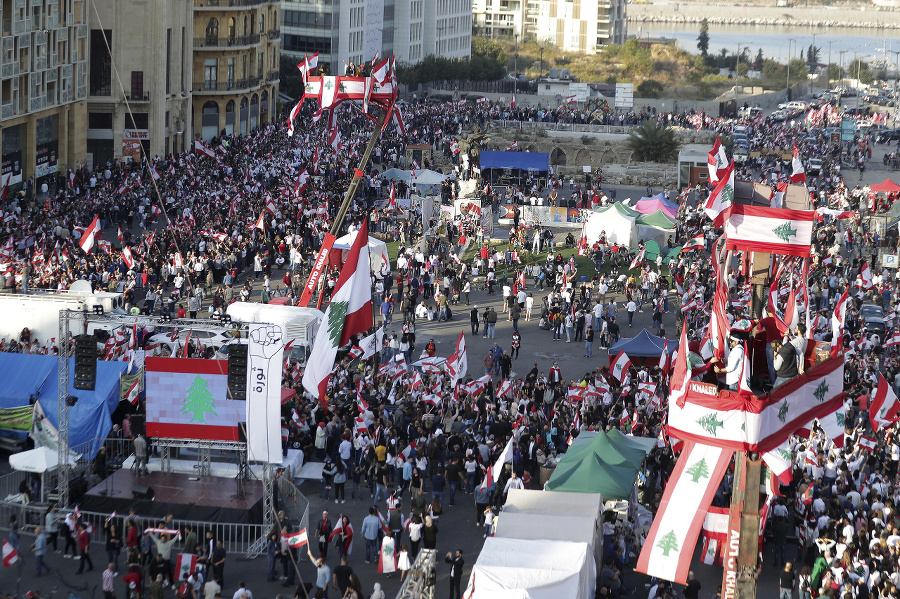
182,313
84,546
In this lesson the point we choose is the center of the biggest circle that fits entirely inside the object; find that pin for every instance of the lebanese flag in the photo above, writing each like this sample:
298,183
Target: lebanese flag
201,148
505,456
838,214
620,365
512,102
770,230
458,362
694,243
261,222
311,63
339,529
681,373
295,112
639,258
5,191
807,497
837,322
488,482
867,441
779,460
134,392
298,539
380,70
348,314
119,235
302,178
799,174
884,406
573,99
185,564
10,555
717,161
722,196
387,557
87,238
777,200
866,275
127,257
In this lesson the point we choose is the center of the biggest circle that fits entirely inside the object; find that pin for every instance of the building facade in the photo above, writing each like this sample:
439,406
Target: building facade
139,89
43,88
577,25
342,31
236,59
499,18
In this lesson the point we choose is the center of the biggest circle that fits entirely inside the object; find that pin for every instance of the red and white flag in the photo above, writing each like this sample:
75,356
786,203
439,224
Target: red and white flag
348,314
185,564
302,179
865,274
573,99
134,392
722,196
620,365
884,406
717,161
458,362
10,555
771,230
201,148
297,539
308,65
694,243
295,112
87,238
127,257
798,174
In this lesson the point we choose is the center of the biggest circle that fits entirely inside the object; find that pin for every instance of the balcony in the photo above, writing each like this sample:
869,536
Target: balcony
227,4
272,76
142,97
210,87
217,43
275,34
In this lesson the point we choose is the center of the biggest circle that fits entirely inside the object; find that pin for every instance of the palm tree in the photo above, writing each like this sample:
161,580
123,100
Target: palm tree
653,142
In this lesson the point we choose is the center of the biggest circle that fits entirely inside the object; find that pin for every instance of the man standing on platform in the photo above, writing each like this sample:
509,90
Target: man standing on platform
190,540
140,456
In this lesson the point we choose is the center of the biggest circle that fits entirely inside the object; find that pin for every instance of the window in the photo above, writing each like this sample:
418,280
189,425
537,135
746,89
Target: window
211,73
101,62
262,23
259,58
137,84
303,43
100,120
232,32
168,64
141,121
212,32
230,71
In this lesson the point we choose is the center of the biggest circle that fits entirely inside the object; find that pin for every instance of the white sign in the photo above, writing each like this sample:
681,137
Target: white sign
624,95
374,28
581,91
142,134
265,355
889,260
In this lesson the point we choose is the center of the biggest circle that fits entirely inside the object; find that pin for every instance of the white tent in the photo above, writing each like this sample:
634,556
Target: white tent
554,502
561,527
618,222
39,460
378,254
427,177
523,569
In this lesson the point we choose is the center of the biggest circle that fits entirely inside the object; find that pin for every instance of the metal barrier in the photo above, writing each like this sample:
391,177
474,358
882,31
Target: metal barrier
562,126
236,538
419,583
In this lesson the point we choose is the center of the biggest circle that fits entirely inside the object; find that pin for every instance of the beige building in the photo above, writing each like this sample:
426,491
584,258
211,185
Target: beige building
235,65
499,18
43,87
139,95
577,25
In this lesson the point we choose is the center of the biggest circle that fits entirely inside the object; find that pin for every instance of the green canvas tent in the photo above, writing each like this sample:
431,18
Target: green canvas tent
598,466
658,219
645,444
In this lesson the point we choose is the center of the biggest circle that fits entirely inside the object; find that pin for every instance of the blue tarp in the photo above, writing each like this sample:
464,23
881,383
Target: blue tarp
526,161
23,375
89,418
643,345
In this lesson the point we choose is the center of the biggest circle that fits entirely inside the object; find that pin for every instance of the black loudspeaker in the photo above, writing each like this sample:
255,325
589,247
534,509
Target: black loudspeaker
237,371
85,376
142,492
138,424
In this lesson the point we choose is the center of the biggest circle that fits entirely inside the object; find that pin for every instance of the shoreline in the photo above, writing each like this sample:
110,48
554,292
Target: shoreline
690,13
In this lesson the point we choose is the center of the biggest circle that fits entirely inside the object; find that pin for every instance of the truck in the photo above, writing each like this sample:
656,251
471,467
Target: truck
39,312
300,324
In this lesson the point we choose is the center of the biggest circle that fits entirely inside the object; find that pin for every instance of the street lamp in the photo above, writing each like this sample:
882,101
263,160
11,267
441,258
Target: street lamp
828,68
896,54
516,67
541,68
737,62
842,52
788,81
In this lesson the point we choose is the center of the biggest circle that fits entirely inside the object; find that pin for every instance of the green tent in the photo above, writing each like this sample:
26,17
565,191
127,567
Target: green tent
645,444
621,209
598,466
658,219
652,250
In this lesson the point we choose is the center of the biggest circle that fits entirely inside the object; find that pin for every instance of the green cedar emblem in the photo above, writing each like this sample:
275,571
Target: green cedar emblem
198,401
783,411
840,416
726,197
668,543
785,232
337,313
342,88
821,391
710,423
329,84
785,454
698,470
309,88
375,88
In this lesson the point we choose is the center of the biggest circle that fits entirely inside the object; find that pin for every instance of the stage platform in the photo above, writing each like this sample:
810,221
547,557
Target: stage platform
186,496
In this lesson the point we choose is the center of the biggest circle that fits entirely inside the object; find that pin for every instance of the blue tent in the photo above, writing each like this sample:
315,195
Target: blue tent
89,418
643,345
24,376
526,161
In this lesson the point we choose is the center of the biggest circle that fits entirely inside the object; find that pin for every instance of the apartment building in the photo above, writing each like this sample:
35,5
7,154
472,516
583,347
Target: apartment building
577,25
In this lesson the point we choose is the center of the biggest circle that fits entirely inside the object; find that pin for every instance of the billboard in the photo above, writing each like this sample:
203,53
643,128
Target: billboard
188,399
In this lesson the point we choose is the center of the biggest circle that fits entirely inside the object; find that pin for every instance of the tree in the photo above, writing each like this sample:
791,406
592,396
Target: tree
291,80
653,142
703,38
488,60
198,401
835,71
698,470
758,61
650,89
860,71
798,70
742,69
812,55
669,542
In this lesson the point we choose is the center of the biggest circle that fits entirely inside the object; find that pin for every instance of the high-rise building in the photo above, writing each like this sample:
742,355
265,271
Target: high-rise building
43,87
577,25
236,58
140,79
344,31
499,18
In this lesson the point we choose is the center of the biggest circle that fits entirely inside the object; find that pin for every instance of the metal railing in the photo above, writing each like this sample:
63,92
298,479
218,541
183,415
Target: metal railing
214,86
236,538
273,75
561,126
274,34
226,42
144,97
228,3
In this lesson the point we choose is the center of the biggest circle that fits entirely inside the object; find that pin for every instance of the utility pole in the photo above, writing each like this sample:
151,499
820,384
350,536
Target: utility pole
788,82
541,70
516,66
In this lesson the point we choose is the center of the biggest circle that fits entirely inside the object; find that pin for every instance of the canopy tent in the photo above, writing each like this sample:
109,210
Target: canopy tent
427,177
529,569
655,203
525,161
396,174
548,502
39,460
617,221
378,254
643,345
657,234
89,418
599,466
25,374
559,526
651,247
645,444
658,219
885,186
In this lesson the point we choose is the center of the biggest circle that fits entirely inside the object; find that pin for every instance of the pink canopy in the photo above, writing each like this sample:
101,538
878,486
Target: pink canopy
651,205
